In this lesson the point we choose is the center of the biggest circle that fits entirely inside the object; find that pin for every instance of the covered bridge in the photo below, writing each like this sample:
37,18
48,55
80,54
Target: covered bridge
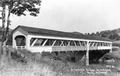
39,40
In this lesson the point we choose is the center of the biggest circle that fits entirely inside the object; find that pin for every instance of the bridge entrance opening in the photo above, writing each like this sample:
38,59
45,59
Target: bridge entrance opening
20,41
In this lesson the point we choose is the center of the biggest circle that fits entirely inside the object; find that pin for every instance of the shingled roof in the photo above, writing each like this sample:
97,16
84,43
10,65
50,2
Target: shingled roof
47,32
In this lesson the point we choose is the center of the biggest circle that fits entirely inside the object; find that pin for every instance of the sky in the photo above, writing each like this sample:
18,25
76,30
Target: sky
85,16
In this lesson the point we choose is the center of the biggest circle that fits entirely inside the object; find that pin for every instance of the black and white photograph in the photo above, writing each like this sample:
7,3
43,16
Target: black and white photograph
59,38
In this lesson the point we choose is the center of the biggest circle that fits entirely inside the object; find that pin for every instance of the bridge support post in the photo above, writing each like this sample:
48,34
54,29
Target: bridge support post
87,54
111,48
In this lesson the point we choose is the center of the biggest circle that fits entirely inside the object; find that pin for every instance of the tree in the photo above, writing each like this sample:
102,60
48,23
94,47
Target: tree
17,7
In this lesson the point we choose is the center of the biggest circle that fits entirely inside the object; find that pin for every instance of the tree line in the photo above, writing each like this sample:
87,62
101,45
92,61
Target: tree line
108,34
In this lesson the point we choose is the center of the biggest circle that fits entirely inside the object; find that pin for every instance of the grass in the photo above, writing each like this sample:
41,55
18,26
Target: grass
29,69
38,65
10,66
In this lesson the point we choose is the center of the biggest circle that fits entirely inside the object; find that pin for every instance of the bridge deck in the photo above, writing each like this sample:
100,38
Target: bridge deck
80,48
64,48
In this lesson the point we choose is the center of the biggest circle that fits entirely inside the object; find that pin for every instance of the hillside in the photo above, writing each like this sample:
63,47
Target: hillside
113,35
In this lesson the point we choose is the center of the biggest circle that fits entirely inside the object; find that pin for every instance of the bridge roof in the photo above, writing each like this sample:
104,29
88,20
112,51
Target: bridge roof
47,32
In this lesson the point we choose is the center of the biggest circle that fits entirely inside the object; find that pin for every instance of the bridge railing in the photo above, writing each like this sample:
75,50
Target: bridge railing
81,48
63,48
68,48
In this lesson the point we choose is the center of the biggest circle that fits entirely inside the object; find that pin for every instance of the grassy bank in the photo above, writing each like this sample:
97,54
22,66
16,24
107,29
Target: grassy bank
25,63
16,66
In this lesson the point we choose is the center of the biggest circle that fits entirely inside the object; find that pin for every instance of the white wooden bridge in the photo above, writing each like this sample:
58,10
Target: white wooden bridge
39,40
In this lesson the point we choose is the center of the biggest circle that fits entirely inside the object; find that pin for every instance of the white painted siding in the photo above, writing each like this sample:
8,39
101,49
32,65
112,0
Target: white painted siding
40,49
16,33
54,48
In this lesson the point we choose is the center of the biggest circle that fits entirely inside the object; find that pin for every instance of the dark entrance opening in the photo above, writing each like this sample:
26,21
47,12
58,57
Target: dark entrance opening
20,40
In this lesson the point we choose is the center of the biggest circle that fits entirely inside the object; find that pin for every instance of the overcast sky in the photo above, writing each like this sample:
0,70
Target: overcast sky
74,15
